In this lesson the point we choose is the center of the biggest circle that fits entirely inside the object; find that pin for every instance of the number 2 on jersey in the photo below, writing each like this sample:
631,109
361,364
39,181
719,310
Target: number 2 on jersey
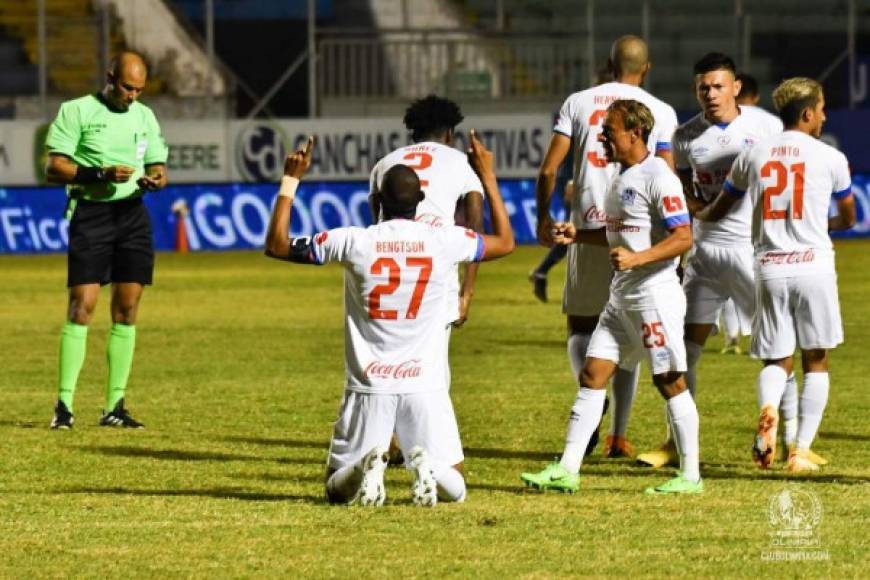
421,160
797,201
394,273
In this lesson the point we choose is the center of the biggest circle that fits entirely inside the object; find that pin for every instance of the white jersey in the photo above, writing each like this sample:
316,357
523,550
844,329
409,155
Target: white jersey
644,203
445,178
581,118
790,179
708,150
396,282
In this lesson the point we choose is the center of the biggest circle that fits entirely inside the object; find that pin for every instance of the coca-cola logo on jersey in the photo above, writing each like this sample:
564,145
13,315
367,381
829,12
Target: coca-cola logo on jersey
431,219
408,369
593,214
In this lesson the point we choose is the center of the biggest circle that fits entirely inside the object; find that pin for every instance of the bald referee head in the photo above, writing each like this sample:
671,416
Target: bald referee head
125,80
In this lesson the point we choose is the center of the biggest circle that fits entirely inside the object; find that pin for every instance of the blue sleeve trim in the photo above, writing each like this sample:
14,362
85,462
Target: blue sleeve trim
729,188
677,220
843,194
663,146
478,254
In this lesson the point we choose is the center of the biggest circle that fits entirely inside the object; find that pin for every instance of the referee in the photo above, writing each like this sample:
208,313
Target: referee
108,150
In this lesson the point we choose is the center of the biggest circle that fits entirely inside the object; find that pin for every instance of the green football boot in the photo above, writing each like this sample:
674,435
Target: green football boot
679,484
554,477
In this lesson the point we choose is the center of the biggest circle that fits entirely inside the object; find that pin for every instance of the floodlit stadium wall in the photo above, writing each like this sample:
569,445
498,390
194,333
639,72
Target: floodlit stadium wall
225,174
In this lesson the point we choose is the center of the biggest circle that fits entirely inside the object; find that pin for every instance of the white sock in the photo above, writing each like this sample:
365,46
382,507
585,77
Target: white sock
624,389
451,484
788,411
585,416
771,385
813,401
577,345
344,483
683,417
693,355
730,321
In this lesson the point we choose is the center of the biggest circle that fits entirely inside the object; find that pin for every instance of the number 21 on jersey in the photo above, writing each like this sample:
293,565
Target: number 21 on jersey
777,170
394,276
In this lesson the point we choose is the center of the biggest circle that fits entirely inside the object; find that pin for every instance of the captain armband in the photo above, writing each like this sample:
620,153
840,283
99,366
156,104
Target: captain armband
302,251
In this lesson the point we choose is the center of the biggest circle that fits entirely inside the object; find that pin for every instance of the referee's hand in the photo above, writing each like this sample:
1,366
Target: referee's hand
118,173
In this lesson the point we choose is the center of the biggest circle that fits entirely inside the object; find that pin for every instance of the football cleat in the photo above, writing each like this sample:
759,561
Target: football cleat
616,446
120,417
539,285
679,484
424,490
63,417
371,490
732,347
764,448
664,455
555,477
800,462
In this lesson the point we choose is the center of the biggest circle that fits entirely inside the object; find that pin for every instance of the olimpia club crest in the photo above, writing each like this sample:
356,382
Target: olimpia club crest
794,515
794,509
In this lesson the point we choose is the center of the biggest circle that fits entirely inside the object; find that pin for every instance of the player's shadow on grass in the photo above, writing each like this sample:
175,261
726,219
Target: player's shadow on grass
712,472
484,453
300,444
217,493
185,455
836,435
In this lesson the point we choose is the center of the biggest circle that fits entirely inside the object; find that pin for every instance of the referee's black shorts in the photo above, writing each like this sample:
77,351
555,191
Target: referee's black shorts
110,242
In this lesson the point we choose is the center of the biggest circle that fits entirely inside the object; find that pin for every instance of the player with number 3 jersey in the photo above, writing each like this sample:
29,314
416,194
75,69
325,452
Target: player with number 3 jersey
789,180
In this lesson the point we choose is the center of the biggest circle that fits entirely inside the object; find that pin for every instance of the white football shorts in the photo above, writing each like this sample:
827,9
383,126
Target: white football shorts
713,275
369,420
627,336
801,311
587,280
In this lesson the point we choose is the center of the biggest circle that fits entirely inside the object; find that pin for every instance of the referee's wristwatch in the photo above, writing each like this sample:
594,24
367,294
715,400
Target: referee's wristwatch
101,175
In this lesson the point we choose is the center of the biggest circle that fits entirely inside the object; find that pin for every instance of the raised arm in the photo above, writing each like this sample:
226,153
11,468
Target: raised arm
501,242
278,235
559,147
473,211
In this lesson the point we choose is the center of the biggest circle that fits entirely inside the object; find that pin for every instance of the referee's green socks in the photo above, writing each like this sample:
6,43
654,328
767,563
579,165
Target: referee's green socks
119,353
73,344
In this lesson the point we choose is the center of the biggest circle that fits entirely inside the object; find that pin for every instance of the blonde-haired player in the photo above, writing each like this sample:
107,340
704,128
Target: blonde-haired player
647,230
588,274
790,179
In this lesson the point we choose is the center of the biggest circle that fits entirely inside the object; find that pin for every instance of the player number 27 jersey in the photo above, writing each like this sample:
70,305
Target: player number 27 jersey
396,284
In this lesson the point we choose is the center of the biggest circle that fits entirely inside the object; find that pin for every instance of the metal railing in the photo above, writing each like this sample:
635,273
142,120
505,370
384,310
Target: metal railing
411,65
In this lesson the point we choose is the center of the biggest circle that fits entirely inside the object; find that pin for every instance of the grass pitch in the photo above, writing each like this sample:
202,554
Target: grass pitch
238,376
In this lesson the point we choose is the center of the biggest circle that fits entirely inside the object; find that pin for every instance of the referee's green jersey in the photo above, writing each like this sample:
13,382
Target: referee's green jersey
93,135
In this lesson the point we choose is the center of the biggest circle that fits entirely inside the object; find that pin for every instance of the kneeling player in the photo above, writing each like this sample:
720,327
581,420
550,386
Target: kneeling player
397,277
647,229
790,179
